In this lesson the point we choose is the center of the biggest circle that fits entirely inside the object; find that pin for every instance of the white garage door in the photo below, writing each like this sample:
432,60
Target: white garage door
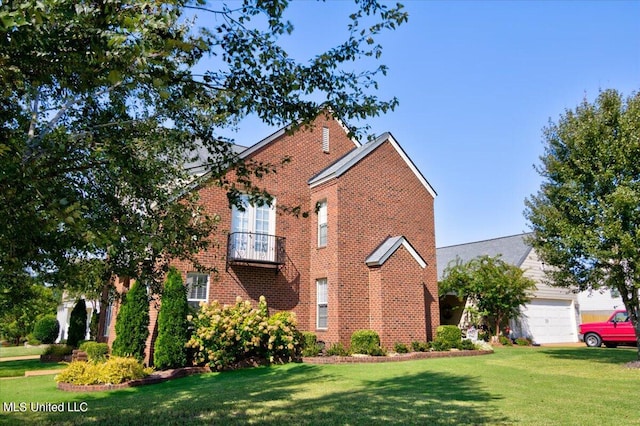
549,321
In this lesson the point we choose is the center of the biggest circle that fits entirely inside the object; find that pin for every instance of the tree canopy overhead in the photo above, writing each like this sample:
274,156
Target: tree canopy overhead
101,107
586,215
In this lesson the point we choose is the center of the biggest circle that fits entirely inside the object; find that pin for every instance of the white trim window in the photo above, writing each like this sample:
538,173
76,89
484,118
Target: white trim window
322,296
197,288
253,230
322,223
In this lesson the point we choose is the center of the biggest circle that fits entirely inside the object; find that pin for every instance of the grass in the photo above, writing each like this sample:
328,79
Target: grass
11,351
524,386
17,368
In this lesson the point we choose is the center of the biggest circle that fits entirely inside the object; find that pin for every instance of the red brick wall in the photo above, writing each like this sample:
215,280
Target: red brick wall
379,197
402,307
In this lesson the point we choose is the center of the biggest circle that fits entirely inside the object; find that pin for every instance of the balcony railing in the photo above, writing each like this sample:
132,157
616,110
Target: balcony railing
252,248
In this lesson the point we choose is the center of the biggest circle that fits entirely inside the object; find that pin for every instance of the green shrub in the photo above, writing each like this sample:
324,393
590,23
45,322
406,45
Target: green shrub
132,325
441,345
310,346
96,352
46,329
114,371
450,334
337,349
505,341
420,346
31,340
173,333
400,348
523,341
77,324
226,335
93,325
58,350
366,342
467,345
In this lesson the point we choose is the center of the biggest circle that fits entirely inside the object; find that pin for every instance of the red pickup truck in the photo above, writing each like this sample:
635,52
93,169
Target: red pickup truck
616,330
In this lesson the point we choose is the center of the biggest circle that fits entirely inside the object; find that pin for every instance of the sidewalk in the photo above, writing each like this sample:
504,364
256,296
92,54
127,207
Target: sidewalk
19,358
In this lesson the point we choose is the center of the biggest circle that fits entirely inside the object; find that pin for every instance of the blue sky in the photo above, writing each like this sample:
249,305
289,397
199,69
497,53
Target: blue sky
477,81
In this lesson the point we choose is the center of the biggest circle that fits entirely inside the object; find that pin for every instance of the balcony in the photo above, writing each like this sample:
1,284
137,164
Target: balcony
248,248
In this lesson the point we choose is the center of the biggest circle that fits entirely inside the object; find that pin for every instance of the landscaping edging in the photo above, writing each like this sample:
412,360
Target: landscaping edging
395,358
157,377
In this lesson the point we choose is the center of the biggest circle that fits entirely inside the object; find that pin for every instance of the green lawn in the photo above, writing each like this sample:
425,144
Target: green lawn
524,386
10,351
17,368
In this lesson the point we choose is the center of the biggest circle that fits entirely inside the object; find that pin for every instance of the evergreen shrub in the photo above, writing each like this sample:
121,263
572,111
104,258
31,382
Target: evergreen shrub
170,350
450,334
77,324
96,352
401,348
114,371
310,345
366,342
132,324
337,349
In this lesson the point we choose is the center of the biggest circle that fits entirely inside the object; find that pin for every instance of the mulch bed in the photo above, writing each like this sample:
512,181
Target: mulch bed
393,358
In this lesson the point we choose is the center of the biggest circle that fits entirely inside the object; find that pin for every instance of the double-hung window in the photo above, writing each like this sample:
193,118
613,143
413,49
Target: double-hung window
323,303
322,223
197,288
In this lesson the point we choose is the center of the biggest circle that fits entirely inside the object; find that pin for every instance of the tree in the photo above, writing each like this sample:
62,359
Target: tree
77,324
132,324
495,287
586,215
22,304
102,111
46,329
173,334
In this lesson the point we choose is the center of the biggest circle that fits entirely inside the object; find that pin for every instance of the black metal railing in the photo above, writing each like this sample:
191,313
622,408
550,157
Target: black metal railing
250,247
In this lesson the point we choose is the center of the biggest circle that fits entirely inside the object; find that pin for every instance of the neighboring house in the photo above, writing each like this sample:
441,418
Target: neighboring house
551,316
363,258
598,305
63,315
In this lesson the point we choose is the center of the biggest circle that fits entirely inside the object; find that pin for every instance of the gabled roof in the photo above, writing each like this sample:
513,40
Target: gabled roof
278,133
513,250
353,157
388,247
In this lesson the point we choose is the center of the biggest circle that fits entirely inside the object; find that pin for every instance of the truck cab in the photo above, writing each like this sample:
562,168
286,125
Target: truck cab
616,330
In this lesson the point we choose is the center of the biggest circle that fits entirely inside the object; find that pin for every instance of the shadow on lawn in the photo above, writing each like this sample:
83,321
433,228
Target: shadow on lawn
602,355
300,394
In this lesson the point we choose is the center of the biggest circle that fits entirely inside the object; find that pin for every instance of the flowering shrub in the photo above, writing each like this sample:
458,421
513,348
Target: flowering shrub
225,335
114,371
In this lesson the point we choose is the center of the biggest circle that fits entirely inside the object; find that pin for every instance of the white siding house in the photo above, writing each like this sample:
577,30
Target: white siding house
552,315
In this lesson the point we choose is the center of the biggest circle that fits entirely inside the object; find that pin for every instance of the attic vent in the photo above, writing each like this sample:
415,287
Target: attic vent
325,139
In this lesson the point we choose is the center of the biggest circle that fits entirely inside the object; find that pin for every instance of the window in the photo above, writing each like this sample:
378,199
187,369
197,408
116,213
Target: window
621,317
325,139
197,288
107,320
322,223
253,231
323,298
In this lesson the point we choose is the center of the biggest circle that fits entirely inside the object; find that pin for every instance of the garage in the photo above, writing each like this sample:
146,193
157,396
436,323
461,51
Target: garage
549,321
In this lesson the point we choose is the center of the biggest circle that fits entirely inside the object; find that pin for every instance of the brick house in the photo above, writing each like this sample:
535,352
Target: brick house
364,257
